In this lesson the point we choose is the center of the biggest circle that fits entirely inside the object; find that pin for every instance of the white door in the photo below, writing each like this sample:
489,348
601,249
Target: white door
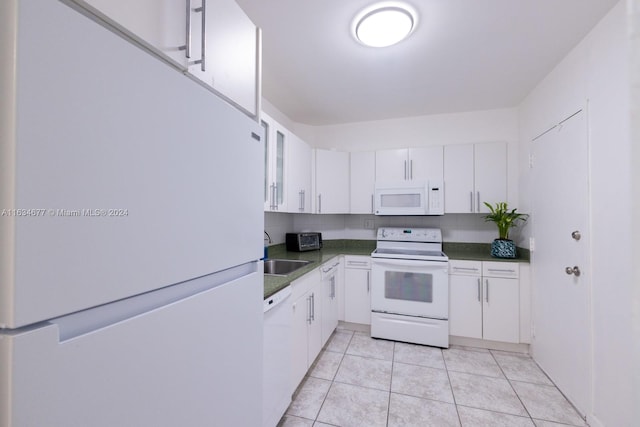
561,342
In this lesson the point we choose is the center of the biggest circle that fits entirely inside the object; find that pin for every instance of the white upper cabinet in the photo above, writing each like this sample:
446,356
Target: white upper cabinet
392,165
228,49
212,40
474,174
331,182
276,140
298,182
459,183
362,182
160,25
410,164
490,174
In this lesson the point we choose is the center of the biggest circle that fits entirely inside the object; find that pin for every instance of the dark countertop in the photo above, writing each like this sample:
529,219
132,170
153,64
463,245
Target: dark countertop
333,248
479,252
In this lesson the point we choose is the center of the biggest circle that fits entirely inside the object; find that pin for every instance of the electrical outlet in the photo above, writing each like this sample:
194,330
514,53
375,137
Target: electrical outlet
532,244
368,224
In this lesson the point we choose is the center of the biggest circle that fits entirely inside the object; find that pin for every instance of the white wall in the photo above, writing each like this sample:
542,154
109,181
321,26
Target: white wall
469,228
595,75
633,10
277,225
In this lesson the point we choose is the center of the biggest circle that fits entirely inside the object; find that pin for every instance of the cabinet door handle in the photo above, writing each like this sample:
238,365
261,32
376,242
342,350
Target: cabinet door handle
470,201
486,294
187,38
372,204
410,169
466,268
274,196
478,200
368,281
479,290
309,309
333,287
203,35
405,170
319,203
313,306
203,48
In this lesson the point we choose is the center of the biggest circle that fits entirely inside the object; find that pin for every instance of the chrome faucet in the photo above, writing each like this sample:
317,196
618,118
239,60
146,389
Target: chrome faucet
269,237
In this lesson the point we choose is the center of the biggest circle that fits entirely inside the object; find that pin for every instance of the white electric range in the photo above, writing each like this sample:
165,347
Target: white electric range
410,287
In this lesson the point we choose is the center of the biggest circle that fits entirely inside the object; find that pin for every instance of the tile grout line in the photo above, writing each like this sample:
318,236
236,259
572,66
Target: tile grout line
393,361
334,375
455,403
511,385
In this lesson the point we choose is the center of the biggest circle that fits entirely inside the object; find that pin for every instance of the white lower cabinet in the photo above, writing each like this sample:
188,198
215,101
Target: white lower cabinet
307,324
465,298
330,273
357,289
484,300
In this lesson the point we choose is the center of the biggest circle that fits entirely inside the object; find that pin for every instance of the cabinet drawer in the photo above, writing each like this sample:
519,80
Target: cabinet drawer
465,268
302,285
354,261
500,269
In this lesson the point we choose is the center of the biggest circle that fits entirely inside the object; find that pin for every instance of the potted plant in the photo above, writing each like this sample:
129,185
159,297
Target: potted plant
504,219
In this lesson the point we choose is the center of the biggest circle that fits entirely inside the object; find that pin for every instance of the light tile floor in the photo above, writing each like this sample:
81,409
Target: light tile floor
360,381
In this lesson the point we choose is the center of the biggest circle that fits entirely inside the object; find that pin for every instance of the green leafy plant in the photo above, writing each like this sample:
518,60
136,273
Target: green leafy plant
504,218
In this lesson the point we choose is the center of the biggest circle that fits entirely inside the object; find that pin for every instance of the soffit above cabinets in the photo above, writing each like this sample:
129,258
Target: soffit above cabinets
464,55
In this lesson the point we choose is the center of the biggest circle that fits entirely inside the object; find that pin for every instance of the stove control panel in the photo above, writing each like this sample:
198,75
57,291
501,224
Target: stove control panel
410,234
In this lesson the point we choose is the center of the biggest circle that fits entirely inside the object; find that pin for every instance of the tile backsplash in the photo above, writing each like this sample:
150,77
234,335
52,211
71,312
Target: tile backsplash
470,228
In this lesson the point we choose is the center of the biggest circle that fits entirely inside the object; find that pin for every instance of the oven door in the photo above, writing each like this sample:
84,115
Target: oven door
410,287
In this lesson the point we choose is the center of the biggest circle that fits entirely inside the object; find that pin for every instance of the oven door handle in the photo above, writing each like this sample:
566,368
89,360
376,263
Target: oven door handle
412,265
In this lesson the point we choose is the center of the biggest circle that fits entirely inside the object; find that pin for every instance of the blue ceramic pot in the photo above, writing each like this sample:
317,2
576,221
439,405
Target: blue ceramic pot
503,248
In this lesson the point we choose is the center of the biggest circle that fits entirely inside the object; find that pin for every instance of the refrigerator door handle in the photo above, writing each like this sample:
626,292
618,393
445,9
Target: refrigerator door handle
90,320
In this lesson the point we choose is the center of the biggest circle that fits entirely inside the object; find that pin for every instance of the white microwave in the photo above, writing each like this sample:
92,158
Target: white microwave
409,198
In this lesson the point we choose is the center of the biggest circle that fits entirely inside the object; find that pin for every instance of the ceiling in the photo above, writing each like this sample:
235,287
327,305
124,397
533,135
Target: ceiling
464,55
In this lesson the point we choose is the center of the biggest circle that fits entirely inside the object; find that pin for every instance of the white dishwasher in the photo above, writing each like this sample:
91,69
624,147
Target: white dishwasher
276,383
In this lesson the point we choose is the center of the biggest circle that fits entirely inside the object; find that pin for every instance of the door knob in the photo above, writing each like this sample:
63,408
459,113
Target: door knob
573,270
576,235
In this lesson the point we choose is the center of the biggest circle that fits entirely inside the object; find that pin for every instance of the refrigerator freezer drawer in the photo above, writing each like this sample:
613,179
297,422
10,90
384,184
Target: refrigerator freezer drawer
196,361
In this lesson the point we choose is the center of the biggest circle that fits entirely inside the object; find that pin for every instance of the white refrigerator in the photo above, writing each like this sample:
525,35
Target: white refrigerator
131,230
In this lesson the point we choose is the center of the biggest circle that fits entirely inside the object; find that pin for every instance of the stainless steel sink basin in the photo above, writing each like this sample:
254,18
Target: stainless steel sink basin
282,267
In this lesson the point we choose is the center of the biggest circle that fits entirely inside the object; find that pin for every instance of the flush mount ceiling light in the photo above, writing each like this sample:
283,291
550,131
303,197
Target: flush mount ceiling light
384,24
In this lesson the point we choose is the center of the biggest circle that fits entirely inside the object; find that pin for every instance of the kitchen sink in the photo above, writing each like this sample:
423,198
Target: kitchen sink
282,267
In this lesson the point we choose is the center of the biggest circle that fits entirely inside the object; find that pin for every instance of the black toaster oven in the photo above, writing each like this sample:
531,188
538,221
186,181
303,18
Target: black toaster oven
300,242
